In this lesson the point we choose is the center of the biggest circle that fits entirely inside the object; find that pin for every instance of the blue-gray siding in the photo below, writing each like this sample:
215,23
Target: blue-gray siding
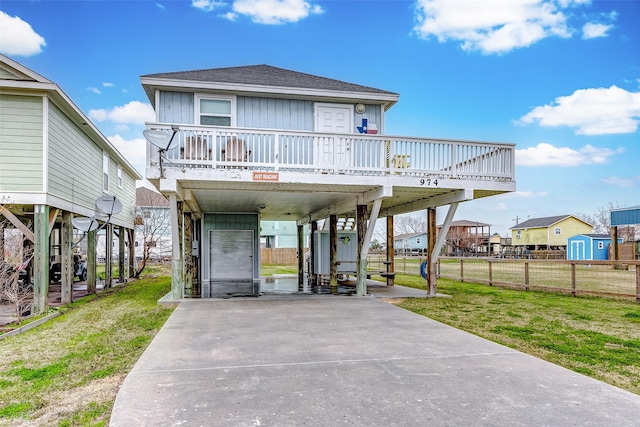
630,216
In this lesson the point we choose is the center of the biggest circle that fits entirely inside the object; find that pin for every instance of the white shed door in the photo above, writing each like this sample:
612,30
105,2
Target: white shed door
231,263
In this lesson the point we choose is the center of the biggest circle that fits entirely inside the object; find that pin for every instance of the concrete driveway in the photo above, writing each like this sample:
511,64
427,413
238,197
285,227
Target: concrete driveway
345,360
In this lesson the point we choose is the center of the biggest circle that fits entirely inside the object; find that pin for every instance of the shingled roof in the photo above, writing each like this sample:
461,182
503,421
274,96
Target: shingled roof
266,75
540,222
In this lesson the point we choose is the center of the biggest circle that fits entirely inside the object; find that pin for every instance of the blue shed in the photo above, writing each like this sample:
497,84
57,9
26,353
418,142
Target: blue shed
589,247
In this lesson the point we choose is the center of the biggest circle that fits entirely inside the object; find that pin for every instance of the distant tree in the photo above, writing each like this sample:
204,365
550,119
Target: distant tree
153,223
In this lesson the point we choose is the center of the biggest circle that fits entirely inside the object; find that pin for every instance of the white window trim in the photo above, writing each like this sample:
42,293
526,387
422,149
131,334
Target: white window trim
105,172
557,231
600,245
200,96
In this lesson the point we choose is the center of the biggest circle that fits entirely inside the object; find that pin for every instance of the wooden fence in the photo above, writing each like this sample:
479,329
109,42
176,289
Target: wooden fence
607,278
279,256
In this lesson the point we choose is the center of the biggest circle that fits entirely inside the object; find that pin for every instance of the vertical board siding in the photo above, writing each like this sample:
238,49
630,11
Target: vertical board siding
274,113
177,107
630,216
21,150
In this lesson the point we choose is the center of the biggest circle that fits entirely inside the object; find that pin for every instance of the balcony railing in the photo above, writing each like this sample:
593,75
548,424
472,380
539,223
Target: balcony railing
328,153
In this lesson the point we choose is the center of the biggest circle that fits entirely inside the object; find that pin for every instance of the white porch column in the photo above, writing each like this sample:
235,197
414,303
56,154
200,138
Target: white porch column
361,282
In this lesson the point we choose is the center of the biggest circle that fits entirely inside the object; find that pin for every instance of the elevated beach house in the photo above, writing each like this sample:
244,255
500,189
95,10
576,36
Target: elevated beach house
551,232
54,166
232,146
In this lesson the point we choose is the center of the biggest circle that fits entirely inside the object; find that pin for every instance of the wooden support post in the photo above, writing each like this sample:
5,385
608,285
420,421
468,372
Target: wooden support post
390,252
40,258
313,277
431,242
188,255
108,256
177,279
361,226
131,241
638,283
573,279
333,254
300,230
526,276
91,262
122,277
66,260
615,248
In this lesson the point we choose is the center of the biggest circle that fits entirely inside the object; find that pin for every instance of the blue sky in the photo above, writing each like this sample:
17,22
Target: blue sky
559,78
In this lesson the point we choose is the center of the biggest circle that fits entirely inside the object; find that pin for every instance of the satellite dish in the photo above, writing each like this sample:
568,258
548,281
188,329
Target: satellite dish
85,224
110,205
160,138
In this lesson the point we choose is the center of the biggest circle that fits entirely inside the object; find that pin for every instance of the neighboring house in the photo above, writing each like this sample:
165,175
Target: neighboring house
153,225
278,234
54,164
410,242
589,247
499,244
467,238
233,146
549,232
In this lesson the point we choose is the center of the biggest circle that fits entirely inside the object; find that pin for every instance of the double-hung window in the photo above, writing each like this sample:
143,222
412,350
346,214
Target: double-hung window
105,172
215,111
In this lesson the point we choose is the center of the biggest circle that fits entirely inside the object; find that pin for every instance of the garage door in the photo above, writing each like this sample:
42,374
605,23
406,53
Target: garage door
231,263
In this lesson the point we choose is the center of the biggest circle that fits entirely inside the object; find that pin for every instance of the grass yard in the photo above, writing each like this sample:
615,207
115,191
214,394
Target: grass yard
598,337
67,372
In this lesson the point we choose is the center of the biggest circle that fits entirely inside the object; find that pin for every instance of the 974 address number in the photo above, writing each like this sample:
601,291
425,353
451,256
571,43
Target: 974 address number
429,182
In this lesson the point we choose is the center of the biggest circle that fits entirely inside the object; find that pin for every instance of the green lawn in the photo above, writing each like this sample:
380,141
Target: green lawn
599,337
67,372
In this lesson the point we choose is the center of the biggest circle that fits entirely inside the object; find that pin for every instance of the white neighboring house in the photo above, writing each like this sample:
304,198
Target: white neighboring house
153,225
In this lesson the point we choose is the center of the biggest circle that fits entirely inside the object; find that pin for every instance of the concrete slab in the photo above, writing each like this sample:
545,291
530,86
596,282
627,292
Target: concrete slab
329,360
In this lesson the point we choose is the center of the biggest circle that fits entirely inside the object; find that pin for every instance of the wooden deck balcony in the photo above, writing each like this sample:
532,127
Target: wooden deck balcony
322,154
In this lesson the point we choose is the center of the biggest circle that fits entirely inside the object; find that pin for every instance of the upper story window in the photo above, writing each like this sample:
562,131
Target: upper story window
518,234
120,182
557,231
215,111
105,172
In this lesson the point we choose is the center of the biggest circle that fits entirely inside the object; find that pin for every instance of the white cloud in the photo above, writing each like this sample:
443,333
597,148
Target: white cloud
545,154
493,26
598,111
18,38
134,150
94,90
207,5
592,30
622,182
275,11
108,84
135,112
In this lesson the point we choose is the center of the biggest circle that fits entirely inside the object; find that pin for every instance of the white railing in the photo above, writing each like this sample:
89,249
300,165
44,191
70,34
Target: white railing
317,152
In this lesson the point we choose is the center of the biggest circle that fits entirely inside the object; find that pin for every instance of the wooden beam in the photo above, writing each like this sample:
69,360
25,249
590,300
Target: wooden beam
300,229
40,258
390,251
431,256
17,223
333,253
361,229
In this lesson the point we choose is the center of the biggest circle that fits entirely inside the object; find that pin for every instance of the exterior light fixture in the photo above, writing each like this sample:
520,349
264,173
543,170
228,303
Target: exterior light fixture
360,108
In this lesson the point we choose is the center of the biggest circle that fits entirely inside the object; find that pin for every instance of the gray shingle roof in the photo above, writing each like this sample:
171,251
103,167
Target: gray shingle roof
266,75
540,222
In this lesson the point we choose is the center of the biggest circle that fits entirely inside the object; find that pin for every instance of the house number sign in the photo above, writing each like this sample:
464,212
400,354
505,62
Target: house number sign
429,182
